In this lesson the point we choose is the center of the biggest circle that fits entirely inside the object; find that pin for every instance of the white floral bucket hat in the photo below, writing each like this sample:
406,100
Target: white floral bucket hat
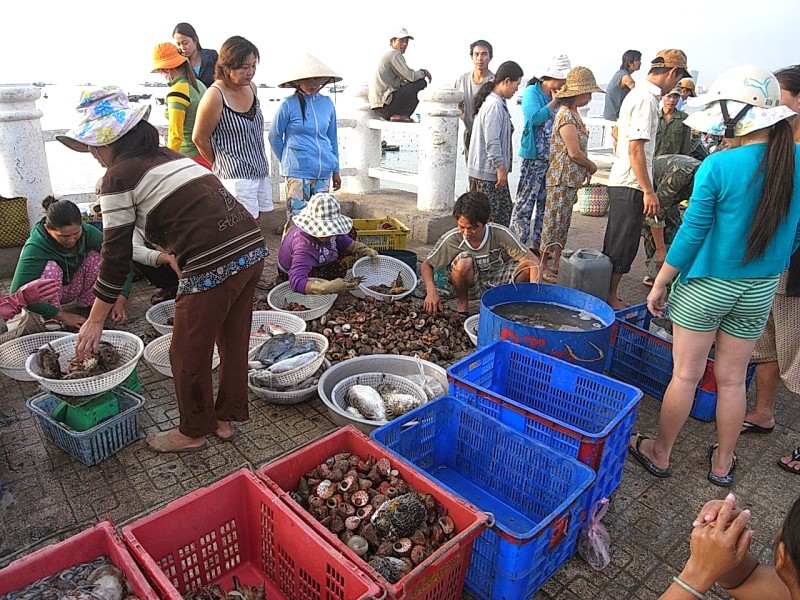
559,67
106,116
322,217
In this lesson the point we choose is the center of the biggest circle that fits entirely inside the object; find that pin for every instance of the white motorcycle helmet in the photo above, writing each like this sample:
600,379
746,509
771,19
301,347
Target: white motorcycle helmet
746,83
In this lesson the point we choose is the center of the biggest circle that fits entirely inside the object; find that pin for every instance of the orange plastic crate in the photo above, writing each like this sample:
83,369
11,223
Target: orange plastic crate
441,576
238,526
97,541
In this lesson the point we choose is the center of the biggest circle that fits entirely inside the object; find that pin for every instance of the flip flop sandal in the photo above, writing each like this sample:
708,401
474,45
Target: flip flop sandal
720,480
748,427
648,464
795,458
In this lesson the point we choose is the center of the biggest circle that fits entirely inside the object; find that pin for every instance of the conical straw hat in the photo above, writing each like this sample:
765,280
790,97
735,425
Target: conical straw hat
308,67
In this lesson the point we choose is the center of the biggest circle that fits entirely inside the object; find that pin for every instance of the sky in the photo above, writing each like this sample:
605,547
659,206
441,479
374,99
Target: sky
75,43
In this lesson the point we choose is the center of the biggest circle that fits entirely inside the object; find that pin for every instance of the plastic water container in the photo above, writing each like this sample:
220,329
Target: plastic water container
586,270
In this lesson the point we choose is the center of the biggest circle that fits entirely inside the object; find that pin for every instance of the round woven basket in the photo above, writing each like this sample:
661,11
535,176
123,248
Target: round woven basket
385,272
471,327
317,304
292,395
16,326
287,320
15,353
593,200
158,314
129,346
303,372
403,386
156,353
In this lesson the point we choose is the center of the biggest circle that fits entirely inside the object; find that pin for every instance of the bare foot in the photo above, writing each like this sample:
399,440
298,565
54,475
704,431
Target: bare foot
462,305
174,441
225,431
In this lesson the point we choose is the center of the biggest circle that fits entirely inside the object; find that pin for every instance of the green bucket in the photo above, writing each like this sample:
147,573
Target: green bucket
132,382
407,256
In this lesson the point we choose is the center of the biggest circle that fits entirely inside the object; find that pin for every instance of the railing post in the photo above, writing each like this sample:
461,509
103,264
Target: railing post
438,147
363,144
23,161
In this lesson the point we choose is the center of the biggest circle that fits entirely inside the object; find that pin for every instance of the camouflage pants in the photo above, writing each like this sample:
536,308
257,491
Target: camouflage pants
672,220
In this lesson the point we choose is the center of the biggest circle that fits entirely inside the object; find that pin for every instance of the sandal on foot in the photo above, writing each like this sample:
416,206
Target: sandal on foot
748,427
550,277
161,444
720,480
795,458
648,464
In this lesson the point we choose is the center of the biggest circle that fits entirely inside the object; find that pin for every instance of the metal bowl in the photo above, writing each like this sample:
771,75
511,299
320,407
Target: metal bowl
376,363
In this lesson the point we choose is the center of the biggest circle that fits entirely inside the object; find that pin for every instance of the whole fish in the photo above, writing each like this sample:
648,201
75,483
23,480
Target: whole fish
296,351
367,401
274,347
276,329
261,332
292,363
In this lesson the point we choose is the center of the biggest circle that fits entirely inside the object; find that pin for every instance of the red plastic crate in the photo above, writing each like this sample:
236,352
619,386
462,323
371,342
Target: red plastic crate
237,526
100,540
441,576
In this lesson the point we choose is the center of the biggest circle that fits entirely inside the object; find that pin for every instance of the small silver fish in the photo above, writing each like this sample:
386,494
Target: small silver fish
296,351
292,363
367,401
274,347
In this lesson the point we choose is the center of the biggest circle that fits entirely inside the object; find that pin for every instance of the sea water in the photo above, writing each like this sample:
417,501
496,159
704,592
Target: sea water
548,315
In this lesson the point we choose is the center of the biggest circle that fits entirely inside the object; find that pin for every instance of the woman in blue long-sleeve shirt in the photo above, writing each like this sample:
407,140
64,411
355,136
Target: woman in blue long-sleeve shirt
737,236
538,109
303,135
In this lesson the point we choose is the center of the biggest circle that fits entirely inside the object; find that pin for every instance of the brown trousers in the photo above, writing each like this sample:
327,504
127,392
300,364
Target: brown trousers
222,314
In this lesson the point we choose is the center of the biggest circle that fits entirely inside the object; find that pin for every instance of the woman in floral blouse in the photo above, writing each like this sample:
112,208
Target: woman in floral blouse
570,167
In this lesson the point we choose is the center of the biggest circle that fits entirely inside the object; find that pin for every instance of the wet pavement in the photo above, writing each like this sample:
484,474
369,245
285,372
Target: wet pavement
49,495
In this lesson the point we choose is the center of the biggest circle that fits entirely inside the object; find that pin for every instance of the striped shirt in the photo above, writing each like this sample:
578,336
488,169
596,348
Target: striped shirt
176,204
238,142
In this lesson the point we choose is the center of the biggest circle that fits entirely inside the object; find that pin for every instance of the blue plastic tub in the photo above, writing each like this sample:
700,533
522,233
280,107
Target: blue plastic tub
580,413
644,359
586,348
536,495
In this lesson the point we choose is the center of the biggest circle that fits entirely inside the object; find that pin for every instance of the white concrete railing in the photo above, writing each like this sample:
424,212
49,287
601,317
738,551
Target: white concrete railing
437,136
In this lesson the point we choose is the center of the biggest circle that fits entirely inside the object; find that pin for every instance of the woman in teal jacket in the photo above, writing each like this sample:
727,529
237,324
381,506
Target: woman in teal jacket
303,135
538,108
63,247
736,239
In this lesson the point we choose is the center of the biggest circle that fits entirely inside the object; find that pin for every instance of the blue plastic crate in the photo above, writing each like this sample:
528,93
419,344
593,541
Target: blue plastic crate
537,495
101,441
580,413
644,359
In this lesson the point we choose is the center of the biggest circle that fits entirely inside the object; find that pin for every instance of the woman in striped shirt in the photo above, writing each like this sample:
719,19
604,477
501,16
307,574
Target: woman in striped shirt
229,130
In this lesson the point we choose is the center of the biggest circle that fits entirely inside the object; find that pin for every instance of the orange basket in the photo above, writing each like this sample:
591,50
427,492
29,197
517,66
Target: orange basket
441,576
97,541
238,527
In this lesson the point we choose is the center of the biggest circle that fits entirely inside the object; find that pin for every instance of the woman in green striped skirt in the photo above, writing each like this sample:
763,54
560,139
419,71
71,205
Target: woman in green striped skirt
737,236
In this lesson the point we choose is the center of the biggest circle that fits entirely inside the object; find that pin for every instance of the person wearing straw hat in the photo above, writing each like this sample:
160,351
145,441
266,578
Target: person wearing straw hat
314,246
538,109
394,86
737,236
219,248
303,135
185,91
570,167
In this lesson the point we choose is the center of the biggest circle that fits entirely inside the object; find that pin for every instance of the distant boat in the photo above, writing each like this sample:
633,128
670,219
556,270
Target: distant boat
389,147
137,97
155,84
39,83
336,89
44,95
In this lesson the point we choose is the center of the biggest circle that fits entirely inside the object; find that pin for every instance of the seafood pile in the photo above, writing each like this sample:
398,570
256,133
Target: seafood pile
294,306
380,403
239,592
395,289
279,354
359,327
105,359
380,517
95,580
